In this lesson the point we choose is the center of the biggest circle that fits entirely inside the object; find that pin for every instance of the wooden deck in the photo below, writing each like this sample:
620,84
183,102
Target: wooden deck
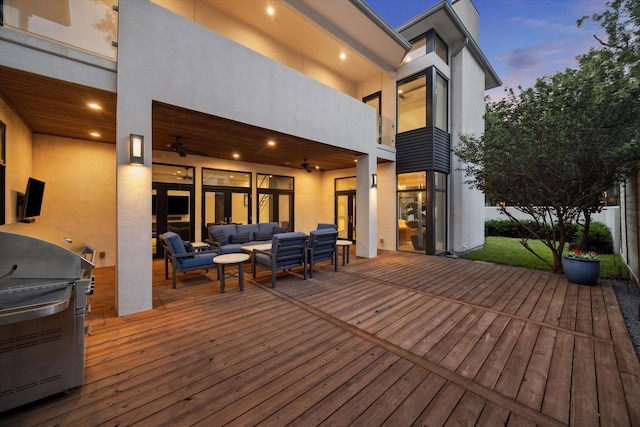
402,339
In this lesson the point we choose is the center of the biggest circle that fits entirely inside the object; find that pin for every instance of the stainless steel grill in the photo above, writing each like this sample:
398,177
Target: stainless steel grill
44,279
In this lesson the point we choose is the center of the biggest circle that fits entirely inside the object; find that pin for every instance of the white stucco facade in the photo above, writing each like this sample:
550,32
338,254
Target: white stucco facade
191,56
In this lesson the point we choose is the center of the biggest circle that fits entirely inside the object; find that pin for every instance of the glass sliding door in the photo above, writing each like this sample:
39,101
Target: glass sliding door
345,209
412,212
226,198
172,203
275,199
422,212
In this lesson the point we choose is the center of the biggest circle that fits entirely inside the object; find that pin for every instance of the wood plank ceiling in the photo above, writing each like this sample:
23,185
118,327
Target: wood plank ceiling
53,107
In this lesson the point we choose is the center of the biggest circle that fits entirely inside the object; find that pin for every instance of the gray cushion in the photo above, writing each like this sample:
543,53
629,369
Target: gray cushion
267,227
239,238
278,230
262,236
220,237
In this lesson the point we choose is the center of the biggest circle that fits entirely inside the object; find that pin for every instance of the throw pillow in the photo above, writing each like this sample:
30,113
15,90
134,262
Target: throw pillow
220,237
278,230
262,236
239,238
188,246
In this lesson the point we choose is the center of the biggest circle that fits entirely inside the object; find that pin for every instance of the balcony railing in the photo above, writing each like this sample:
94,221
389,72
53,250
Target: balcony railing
386,131
89,25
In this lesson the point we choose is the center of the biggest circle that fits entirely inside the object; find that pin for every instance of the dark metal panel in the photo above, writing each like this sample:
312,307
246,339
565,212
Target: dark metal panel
423,149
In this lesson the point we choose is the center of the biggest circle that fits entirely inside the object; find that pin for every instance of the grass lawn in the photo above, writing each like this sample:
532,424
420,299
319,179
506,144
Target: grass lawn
509,251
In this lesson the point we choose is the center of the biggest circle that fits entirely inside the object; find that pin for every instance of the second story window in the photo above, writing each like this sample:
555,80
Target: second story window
423,101
412,103
427,43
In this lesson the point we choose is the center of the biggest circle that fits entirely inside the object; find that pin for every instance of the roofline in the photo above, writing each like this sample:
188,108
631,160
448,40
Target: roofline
472,44
381,23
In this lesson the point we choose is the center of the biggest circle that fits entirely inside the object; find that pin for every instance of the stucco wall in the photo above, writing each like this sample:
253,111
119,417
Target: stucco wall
80,190
18,158
466,204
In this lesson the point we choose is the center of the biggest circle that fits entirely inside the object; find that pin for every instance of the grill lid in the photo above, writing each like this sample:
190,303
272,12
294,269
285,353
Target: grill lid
31,251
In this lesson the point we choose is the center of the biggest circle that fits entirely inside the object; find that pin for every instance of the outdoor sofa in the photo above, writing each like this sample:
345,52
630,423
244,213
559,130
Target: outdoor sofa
229,238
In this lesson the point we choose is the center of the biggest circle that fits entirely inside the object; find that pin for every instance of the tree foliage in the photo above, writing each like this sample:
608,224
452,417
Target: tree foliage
552,150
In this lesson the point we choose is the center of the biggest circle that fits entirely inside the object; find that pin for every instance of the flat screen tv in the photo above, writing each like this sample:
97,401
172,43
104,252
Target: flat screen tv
33,198
178,205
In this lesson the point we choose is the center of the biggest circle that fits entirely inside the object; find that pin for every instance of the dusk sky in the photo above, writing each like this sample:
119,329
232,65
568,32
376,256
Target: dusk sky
523,39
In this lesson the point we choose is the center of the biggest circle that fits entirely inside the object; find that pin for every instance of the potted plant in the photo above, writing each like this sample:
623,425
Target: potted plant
581,267
417,223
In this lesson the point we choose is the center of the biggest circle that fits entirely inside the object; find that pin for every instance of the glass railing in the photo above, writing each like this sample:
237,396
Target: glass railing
89,25
386,131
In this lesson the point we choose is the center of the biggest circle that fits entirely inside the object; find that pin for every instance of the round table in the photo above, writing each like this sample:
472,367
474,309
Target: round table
230,259
345,250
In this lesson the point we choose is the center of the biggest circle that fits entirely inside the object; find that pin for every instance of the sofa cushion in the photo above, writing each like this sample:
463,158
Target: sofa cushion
325,226
248,228
262,236
267,227
279,230
228,229
239,238
220,237
197,261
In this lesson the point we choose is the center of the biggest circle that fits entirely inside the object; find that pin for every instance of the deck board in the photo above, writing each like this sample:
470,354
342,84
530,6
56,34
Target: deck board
401,339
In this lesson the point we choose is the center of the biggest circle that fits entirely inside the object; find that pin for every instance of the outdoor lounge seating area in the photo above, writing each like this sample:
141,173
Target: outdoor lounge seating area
398,340
229,238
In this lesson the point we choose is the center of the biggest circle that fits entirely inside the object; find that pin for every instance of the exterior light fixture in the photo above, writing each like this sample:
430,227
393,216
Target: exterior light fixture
374,180
136,149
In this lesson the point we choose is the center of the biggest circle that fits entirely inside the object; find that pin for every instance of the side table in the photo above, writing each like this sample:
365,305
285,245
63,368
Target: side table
345,250
230,259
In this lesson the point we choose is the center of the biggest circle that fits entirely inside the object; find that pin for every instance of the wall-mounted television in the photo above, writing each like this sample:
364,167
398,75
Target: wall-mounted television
178,205
32,200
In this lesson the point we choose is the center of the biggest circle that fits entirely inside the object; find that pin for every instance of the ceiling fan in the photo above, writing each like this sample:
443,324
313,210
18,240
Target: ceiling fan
182,149
306,166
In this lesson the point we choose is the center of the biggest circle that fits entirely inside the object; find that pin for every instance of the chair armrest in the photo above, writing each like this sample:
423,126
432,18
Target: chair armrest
269,253
213,243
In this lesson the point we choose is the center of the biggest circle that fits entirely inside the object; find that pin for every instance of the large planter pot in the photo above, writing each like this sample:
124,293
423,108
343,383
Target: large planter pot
581,271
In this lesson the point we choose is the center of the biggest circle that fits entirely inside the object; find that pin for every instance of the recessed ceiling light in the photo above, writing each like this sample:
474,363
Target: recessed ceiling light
94,106
236,155
270,10
271,143
95,134
343,56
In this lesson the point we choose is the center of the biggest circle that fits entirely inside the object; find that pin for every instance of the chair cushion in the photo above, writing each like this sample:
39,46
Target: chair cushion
220,237
280,230
239,238
189,247
197,261
323,226
177,246
262,236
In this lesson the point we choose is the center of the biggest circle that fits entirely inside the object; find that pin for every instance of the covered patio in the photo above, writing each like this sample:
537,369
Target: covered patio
401,339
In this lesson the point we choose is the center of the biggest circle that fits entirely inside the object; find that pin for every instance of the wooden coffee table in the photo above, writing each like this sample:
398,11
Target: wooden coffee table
231,259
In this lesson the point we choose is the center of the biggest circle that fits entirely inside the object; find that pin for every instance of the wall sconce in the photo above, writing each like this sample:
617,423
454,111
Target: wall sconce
374,180
136,149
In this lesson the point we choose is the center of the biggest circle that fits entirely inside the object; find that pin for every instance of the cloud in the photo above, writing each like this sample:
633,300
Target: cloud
532,57
543,24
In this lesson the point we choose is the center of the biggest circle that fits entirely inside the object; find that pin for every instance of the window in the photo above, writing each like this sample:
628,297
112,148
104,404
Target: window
441,48
275,199
418,49
412,103
441,103
423,100
427,43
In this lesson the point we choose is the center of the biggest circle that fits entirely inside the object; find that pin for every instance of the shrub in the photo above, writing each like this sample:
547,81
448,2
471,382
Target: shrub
599,238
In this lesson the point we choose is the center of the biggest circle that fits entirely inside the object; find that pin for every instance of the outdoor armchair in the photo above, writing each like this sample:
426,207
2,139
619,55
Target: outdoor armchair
181,259
321,246
288,250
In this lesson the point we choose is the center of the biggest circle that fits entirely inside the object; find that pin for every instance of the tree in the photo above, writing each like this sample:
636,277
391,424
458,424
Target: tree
552,150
